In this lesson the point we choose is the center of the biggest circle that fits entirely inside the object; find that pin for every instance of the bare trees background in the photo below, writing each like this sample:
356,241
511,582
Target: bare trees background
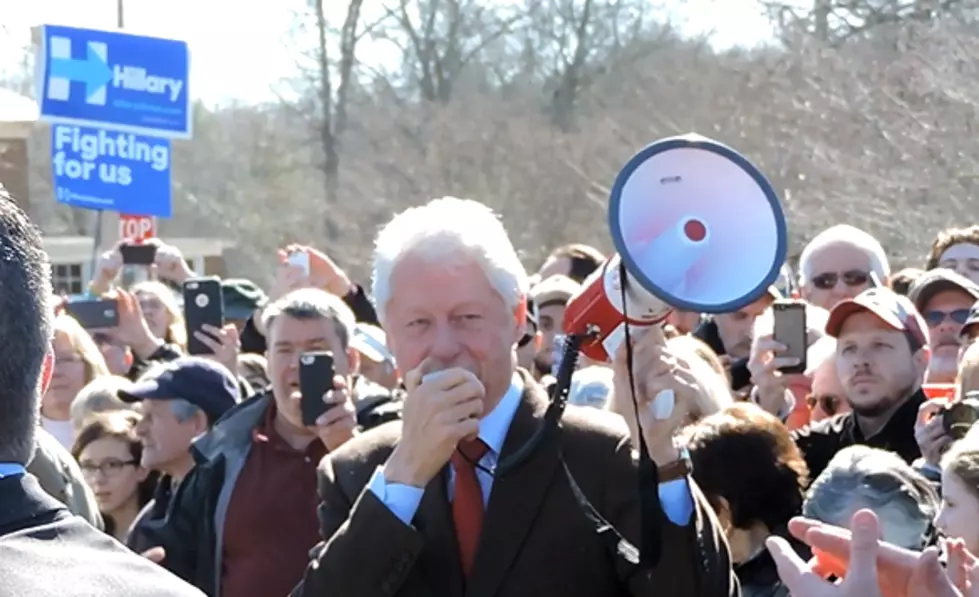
864,112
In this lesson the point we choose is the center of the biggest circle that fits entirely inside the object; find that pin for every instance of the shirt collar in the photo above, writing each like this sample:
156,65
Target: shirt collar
494,426
11,469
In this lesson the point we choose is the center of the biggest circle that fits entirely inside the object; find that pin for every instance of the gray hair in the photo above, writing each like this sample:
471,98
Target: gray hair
183,410
862,477
26,316
444,230
99,395
844,234
311,303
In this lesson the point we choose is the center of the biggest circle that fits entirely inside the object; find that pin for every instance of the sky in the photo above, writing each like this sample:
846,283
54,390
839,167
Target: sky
247,59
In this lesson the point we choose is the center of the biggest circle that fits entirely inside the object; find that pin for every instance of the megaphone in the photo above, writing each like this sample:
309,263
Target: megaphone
696,226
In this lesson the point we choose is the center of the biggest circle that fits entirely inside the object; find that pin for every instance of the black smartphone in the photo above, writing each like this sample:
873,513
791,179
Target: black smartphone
203,304
94,313
138,254
315,380
790,330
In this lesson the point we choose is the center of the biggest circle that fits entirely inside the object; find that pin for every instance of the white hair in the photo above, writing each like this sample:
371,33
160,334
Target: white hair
844,234
447,230
863,477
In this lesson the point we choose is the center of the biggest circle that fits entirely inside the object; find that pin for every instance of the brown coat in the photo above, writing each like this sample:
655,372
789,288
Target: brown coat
536,542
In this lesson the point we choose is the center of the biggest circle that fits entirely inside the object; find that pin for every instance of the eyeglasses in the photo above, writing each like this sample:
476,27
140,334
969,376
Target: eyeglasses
851,278
110,468
935,318
828,403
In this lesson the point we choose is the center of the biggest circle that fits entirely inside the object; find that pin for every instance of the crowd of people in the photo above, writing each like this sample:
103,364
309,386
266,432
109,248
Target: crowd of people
129,467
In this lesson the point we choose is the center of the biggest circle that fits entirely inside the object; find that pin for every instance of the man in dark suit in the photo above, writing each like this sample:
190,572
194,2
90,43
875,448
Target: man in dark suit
413,509
44,549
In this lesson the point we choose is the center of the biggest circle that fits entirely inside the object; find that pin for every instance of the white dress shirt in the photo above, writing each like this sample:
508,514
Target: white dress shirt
403,500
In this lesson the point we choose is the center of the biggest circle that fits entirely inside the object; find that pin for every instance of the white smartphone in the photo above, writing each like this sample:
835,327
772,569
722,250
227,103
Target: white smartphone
299,259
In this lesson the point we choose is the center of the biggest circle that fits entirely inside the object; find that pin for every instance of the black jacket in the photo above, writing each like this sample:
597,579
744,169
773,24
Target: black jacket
193,526
821,441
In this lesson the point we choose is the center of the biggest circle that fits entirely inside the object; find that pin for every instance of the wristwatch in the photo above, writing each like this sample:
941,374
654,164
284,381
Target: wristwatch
678,469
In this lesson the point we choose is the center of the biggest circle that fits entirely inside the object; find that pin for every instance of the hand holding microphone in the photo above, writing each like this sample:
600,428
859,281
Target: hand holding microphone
441,409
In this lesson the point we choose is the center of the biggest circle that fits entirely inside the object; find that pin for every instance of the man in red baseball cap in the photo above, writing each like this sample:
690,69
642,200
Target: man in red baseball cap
882,354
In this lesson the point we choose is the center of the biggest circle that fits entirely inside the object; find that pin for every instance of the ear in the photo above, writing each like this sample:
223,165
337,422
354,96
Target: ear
519,318
142,473
47,370
200,423
353,361
723,510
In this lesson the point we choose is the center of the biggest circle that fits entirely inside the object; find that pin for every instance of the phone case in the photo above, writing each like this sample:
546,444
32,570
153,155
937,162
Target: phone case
138,254
315,380
203,304
790,330
95,313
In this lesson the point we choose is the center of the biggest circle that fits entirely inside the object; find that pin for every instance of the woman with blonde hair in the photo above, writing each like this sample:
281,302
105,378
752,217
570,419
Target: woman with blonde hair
77,361
162,313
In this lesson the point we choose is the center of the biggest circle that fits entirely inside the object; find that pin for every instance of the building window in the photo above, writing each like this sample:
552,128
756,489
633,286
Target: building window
67,278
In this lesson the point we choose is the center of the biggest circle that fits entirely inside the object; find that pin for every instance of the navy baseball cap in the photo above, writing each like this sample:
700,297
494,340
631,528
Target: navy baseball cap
207,385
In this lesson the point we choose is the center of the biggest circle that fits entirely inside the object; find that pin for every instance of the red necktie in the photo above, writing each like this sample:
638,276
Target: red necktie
467,505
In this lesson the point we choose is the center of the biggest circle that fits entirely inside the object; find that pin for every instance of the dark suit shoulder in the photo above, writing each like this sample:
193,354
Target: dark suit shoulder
352,464
586,423
68,557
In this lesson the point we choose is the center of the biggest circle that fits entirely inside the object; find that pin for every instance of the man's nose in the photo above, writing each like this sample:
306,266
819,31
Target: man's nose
446,344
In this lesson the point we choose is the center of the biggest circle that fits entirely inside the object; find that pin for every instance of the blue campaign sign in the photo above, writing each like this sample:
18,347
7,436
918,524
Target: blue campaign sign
115,80
111,170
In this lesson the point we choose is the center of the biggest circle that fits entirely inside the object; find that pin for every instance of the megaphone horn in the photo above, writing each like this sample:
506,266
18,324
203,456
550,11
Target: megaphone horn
696,226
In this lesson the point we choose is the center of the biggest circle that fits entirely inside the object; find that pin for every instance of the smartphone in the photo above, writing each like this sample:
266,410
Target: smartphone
142,254
790,330
315,380
299,259
203,304
94,313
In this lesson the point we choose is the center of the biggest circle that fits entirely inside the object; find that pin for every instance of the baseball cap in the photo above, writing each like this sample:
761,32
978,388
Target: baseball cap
241,298
893,309
371,341
968,326
207,385
939,280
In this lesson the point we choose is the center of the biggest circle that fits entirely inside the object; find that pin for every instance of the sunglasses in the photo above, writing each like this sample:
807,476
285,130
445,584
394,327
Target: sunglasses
935,318
828,403
853,277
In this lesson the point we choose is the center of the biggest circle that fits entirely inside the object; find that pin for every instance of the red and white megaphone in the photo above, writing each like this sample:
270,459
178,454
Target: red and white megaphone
696,226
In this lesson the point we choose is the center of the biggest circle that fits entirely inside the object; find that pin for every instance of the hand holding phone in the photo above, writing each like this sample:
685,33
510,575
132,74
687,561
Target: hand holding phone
94,313
316,372
203,304
138,254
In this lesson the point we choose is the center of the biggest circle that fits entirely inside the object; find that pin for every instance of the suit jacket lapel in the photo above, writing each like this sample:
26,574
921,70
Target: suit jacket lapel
441,563
515,498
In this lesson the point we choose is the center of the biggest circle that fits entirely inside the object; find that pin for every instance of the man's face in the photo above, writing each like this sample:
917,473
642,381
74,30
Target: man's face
963,258
875,364
945,314
551,319
289,338
839,271
166,441
735,328
464,323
